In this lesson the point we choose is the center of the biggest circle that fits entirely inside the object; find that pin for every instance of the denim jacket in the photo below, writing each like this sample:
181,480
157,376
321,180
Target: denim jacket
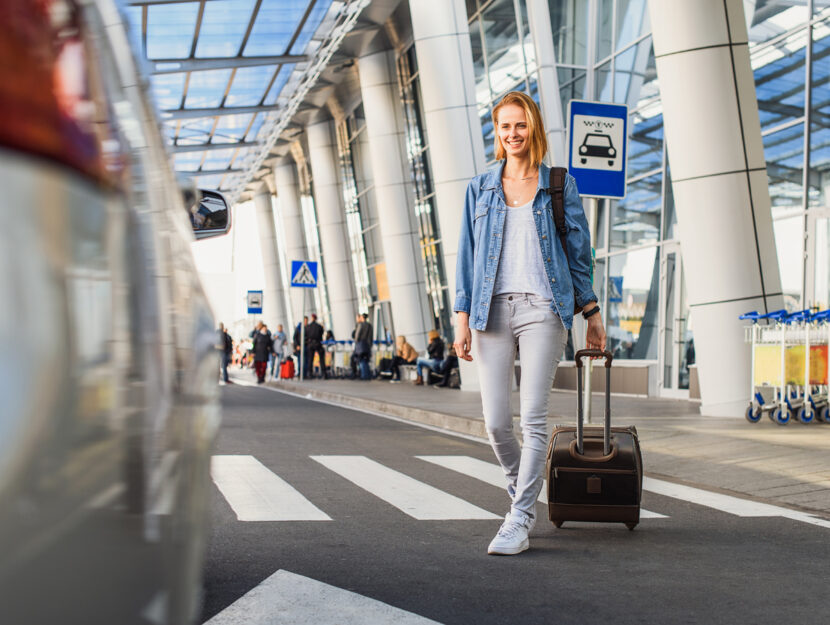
480,243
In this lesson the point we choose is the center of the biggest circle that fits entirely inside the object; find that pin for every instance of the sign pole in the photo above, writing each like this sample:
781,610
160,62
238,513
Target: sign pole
303,275
598,161
593,211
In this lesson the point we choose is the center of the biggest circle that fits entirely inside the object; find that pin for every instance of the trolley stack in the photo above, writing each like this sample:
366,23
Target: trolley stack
789,366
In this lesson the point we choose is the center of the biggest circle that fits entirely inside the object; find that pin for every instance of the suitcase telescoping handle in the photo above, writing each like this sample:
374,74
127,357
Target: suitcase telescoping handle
589,353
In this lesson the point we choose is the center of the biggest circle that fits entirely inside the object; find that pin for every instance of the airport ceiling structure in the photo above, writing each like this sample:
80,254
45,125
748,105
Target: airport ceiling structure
227,76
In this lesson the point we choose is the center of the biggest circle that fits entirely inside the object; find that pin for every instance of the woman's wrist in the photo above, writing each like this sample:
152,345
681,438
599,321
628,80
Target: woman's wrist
590,310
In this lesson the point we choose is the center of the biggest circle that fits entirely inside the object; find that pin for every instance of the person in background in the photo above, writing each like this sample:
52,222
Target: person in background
435,350
314,345
447,365
363,345
226,348
295,341
261,337
278,346
404,354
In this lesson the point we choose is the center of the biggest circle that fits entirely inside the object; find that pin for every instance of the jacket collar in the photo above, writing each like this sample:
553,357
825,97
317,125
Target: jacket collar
493,178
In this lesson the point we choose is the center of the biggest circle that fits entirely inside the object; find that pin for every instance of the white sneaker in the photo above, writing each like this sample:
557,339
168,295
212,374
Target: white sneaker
512,536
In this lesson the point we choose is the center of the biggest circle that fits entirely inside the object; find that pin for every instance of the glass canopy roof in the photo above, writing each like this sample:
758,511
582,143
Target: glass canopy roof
220,71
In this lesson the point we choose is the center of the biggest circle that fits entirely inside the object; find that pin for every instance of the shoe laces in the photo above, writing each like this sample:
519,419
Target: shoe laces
510,528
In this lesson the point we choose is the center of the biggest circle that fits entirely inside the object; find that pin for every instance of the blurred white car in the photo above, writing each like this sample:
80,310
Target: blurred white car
108,364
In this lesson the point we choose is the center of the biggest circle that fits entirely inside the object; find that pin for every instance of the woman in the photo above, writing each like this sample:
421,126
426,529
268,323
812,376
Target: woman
514,285
405,354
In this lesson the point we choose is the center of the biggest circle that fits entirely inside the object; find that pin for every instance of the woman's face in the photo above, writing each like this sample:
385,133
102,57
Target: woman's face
513,130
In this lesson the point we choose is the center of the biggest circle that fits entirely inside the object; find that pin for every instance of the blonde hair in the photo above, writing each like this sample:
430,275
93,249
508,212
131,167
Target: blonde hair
536,135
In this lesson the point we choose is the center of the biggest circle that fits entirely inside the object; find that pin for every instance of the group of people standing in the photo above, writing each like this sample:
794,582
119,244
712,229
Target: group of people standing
311,335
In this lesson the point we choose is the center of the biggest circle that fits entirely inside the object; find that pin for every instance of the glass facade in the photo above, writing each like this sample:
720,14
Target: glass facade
356,198
639,276
417,153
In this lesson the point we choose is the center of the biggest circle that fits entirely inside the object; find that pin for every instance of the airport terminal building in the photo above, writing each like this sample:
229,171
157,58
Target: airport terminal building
355,126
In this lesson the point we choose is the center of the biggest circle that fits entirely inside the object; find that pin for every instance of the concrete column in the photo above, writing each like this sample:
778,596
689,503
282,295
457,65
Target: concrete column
538,17
291,222
719,180
331,221
453,128
273,296
379,89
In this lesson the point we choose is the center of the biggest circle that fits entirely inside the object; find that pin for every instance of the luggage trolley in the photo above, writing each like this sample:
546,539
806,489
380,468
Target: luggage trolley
818,365
764,335
789,366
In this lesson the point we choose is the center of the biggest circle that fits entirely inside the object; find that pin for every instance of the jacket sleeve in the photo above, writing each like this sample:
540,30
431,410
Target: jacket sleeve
466,252
579,245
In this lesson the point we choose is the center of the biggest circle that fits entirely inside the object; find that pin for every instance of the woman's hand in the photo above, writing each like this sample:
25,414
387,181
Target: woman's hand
595,336
463,337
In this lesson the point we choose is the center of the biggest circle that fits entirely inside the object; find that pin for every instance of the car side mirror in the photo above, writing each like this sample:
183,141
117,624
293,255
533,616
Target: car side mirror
210,214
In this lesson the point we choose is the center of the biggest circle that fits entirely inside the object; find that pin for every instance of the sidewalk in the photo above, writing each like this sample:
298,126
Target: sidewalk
781,465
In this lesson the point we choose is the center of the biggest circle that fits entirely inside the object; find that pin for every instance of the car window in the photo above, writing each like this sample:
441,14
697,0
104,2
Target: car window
599,140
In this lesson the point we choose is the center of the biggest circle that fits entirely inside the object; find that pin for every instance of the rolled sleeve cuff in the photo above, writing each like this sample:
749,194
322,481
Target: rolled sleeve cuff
586,297
462,303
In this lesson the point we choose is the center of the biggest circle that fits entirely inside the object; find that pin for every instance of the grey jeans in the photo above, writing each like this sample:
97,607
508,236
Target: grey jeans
529,321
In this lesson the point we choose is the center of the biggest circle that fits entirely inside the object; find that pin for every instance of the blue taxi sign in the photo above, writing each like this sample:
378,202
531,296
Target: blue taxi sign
598,148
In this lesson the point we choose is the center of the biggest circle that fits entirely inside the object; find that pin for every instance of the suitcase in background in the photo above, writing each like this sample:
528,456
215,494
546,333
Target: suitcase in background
594,473
287,369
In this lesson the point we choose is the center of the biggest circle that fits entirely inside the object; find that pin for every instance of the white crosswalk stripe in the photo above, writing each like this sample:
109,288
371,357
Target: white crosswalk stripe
409,495
492,473
286,597
257,494
726,503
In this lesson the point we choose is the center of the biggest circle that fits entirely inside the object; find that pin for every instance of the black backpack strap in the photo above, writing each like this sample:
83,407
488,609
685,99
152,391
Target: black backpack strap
557,200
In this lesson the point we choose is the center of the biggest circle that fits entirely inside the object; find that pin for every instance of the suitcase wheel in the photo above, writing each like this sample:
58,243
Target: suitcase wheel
558,524
631,526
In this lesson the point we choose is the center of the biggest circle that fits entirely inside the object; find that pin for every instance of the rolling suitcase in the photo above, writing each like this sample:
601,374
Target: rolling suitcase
594,473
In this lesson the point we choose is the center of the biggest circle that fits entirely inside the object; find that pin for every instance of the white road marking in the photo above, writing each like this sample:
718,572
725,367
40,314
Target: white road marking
418,500
257,494
492,474
727,503
286,597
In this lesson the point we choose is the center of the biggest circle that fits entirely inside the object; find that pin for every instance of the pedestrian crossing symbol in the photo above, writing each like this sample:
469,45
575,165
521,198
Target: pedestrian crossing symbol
304,273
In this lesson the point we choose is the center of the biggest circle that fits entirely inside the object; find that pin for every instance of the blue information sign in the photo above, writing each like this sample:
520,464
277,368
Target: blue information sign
254,302
304,273
598,147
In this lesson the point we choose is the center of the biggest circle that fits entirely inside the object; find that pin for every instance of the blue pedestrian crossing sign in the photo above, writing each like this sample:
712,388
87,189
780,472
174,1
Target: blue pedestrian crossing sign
254,302
304,273
598,148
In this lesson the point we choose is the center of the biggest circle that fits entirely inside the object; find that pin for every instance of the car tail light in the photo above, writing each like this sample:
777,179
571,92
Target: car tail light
47,104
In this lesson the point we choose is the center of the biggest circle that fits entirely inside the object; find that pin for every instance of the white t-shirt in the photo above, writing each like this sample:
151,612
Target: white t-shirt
521,269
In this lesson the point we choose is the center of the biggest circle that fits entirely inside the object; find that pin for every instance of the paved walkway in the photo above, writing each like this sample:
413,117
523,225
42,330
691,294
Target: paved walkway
782,465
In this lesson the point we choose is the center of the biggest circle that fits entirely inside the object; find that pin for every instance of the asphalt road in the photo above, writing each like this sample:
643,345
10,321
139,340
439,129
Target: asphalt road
696,565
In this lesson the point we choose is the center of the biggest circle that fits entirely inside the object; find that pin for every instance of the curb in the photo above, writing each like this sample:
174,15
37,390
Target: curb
453,423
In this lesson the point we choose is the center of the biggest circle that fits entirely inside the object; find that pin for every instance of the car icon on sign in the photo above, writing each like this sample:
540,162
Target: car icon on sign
595,144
